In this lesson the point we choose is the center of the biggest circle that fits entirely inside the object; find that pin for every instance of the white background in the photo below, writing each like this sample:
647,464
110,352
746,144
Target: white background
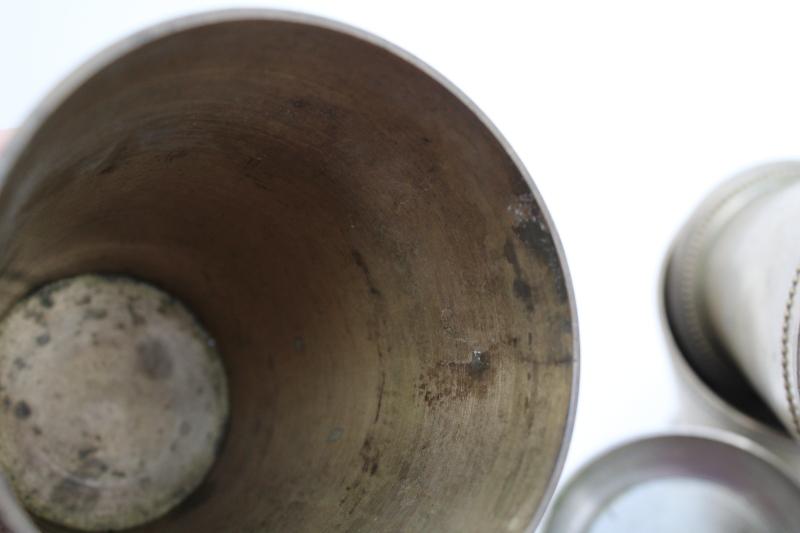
625,113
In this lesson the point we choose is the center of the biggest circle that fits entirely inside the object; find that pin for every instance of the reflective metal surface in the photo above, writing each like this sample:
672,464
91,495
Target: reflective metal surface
714,483
730,292
382,279
713,394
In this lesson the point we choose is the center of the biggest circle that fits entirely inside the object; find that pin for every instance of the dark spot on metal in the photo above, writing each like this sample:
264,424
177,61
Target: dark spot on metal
523,291
91,468
37,430
83,453
154,360
369,456
479,363
22,410
200,496
42,339
95,314
85,300
19,363
380,397
537,239
299,103
137,318
35,316
6,402
118,473
46,299
359,261
534,235
185,428
521,288
447,382
73,495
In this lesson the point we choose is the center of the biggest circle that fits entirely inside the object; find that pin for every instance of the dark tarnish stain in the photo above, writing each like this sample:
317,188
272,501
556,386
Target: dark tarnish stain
198,497
447,382
44,295
380,397
22,410
74,496
73,493
46,298
83,453
95,314
137,318
42,339
534,235
519,186
359,260
35,316
165,304
91,467
522,290
479,363
154,360
537,239
370,457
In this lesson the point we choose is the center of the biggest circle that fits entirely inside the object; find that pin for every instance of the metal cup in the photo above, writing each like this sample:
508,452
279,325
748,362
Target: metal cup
382,279
731,292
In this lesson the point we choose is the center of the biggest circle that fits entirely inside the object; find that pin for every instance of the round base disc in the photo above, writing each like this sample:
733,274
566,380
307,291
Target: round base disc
114,401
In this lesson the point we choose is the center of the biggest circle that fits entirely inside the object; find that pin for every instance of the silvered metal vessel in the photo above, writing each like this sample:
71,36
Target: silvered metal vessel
380,277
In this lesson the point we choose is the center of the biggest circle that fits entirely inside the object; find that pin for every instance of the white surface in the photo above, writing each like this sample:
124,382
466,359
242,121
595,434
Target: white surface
624,112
